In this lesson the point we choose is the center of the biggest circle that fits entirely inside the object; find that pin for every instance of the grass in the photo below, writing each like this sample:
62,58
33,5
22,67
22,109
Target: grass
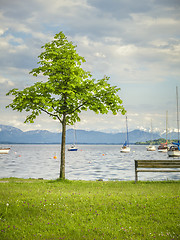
43,209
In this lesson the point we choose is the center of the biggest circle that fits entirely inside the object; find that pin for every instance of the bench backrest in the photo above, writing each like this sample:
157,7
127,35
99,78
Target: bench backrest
157,163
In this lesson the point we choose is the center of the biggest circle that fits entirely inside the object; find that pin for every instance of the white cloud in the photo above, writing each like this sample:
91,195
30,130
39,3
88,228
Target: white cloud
135,43
6,82
126,50
100,55
151,21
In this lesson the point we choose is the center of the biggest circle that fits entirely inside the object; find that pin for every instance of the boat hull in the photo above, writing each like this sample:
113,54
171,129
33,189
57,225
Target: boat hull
174,153
4,150
151,148
125,149
163,150
163,147
72,149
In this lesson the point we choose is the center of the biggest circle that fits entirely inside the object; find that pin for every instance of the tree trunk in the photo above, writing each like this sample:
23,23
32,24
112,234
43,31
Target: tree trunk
63,144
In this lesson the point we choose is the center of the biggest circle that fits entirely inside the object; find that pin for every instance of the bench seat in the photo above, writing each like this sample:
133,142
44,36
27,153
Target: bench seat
156,166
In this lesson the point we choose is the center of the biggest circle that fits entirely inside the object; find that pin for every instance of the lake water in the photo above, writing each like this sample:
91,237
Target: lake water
90,162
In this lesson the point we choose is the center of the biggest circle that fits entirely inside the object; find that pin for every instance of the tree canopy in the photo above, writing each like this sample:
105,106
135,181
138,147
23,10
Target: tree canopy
66,91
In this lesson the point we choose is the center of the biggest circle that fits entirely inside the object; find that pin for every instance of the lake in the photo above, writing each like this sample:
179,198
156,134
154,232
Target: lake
90,162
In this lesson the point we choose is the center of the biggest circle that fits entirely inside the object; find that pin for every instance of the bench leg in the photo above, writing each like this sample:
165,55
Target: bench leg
136,176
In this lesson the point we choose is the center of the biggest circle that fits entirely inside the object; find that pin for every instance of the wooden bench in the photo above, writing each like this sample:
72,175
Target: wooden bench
156,166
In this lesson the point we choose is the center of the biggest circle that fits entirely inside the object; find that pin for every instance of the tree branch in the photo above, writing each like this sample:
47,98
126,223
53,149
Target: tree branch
53,115
78,107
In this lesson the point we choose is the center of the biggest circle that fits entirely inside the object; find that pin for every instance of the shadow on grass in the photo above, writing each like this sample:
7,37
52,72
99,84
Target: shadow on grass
59,180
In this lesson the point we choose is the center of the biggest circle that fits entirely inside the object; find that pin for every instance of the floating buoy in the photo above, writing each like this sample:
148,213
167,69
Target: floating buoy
103,154
55,157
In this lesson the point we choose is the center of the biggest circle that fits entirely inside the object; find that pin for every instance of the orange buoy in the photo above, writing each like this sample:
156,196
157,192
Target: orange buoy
55,157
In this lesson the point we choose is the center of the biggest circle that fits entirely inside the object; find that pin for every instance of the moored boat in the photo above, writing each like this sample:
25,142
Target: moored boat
151,148
73,148
163,147
174,150
4,150
125,148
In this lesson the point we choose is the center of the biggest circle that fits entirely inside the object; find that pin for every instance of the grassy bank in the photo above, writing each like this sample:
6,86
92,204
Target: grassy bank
42,209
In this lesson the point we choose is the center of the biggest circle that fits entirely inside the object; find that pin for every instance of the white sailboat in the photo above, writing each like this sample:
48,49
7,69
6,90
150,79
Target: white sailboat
125,148
4,150
73,147
151,147
174,150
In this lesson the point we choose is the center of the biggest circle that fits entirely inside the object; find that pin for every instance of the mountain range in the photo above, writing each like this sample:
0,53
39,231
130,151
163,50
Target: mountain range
12,135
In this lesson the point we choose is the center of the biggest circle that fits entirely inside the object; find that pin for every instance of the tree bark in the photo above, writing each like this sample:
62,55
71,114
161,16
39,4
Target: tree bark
63,144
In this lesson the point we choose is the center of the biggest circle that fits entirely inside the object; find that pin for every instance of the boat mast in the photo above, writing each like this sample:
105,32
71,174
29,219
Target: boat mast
151,133
127,132
166,125
177,112
74,136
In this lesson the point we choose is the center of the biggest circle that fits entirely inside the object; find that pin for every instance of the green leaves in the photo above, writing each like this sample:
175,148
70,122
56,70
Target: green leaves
68,90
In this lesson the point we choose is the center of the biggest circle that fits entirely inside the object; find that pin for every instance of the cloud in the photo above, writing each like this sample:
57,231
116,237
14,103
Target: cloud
6,82
136,43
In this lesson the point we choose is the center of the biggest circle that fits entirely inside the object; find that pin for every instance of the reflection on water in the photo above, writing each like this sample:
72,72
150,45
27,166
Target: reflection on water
90,162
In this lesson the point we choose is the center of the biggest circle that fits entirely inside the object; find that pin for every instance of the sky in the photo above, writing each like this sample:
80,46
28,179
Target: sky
134,42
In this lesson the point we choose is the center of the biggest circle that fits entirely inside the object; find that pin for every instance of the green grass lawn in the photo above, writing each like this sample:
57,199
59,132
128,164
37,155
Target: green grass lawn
43,209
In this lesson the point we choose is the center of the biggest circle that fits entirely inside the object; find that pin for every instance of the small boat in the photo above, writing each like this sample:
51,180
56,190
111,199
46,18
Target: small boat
125,148
73,148
174,150
163,147
4,150
151,148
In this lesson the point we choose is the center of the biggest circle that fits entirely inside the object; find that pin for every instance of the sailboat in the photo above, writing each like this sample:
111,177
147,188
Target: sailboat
174,150
4,150
125,148
163,147
151,147
73,147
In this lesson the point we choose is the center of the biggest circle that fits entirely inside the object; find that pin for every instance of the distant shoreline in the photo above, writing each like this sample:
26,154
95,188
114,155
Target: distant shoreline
66,143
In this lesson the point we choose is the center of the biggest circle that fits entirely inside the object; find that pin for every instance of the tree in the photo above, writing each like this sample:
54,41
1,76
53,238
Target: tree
66,91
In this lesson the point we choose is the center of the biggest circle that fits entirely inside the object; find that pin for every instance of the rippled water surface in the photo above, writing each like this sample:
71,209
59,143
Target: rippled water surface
90,162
